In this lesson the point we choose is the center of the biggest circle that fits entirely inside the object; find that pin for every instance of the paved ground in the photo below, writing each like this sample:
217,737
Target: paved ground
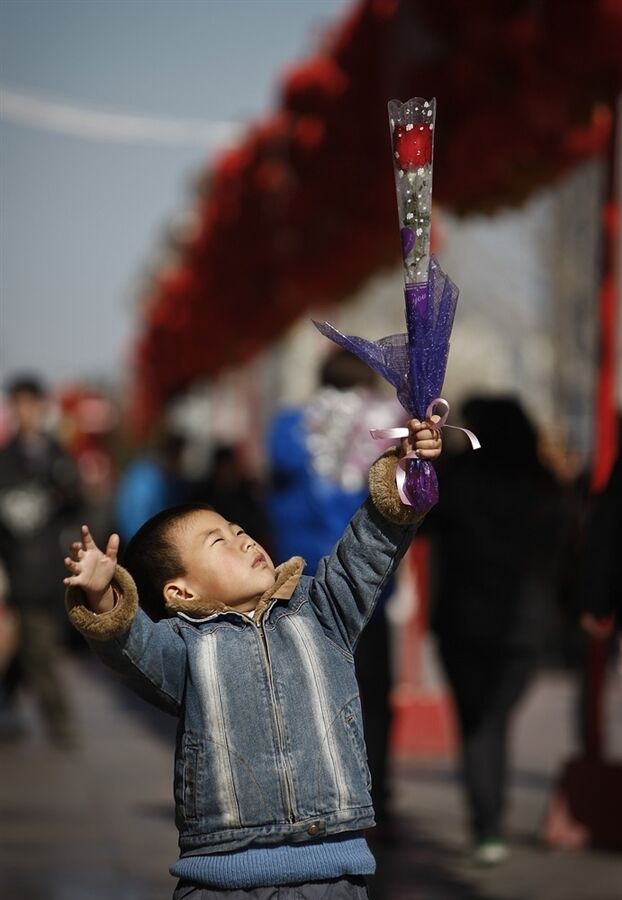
97,823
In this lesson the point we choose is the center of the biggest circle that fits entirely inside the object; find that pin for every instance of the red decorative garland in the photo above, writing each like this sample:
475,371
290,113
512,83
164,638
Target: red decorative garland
302,211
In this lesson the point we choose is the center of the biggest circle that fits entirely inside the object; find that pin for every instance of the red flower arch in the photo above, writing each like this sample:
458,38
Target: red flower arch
303,210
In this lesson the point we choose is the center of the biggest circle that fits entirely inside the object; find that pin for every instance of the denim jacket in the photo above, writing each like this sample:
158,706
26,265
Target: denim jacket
270,744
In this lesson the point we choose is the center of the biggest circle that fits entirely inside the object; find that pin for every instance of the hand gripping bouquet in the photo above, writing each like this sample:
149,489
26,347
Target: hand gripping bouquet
415,362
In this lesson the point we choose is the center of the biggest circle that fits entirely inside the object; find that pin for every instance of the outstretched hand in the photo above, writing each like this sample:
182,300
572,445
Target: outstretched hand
93,569
423,439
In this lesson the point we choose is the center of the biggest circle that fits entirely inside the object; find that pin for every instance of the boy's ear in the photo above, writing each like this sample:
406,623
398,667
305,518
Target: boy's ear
176,592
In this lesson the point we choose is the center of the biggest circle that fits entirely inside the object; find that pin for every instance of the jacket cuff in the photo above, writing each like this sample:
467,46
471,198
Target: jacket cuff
107,625
383,490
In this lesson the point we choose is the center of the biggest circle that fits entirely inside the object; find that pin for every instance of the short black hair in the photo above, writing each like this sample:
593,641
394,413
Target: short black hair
345,371
152,557
26,383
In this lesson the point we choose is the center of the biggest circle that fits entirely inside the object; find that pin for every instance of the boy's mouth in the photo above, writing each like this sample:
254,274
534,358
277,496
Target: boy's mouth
260,560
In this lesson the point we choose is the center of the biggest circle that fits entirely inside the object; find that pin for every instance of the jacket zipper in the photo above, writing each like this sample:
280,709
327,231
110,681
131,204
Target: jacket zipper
289,789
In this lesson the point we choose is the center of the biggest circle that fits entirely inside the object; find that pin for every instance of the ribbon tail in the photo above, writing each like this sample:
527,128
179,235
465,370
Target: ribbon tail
475,444
388,434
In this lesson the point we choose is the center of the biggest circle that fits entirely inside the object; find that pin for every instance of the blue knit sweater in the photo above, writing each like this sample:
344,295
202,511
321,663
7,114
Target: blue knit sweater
284,864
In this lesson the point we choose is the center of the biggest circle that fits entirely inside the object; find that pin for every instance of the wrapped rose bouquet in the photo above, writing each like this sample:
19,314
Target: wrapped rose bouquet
413,362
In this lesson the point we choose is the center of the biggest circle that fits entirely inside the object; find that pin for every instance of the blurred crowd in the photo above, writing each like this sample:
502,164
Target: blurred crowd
522,555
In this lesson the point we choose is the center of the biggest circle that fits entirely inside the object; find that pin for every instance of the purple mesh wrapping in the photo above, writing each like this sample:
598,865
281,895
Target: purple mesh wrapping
421,485
414,363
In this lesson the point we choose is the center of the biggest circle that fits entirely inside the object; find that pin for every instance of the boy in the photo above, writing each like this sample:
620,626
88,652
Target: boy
271,779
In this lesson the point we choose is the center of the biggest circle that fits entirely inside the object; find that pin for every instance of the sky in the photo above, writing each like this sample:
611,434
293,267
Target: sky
81,217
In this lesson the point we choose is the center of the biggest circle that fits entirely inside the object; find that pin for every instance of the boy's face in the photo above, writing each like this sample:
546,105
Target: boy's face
223,564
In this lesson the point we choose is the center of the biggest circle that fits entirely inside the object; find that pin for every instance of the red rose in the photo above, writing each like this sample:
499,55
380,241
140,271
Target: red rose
413,147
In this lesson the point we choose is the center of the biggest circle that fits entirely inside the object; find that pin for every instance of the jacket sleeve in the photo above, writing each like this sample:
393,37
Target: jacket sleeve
348,583
150,657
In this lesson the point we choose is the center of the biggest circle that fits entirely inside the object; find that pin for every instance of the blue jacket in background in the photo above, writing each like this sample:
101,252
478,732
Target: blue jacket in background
307,512
145,489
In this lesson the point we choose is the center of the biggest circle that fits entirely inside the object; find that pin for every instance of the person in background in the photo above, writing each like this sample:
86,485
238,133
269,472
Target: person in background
496,534
235,494
319,455
39,497
152,482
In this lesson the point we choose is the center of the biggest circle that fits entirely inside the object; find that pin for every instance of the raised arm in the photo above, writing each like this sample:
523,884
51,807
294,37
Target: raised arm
102,603
349,582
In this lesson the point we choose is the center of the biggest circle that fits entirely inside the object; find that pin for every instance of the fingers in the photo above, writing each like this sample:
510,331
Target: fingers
425,429
428,454
87,538
426,434
76,551
428,449
112,547
74,581
75,568
424,440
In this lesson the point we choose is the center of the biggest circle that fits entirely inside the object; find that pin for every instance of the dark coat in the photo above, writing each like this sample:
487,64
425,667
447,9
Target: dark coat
497,530
39,495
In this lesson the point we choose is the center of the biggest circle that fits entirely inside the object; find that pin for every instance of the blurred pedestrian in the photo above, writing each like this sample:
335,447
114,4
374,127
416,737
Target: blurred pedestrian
576,815
39,497
319,454
496,531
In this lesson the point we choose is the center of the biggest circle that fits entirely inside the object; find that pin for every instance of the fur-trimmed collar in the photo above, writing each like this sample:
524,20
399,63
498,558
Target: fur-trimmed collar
287,576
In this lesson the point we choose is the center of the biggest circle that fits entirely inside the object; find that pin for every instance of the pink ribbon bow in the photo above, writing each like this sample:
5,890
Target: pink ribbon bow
393,433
